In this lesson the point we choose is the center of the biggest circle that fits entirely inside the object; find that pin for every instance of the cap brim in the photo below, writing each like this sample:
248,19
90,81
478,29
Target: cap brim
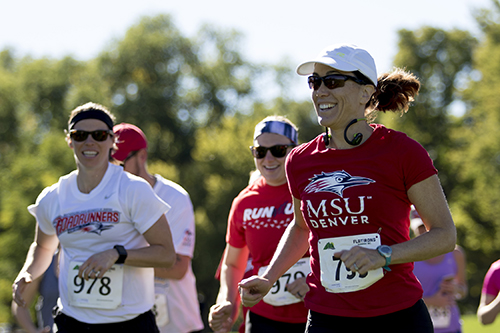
307,68
119,155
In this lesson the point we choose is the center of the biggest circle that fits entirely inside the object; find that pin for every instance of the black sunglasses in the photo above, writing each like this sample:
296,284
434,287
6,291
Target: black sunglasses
331,81
99,135
277,151
130,155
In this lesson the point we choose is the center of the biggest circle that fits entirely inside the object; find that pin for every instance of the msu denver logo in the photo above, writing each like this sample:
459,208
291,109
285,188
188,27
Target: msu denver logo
335,182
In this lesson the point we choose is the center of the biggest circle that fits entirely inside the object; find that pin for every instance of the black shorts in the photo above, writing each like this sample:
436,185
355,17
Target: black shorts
415,319
258,324
143,323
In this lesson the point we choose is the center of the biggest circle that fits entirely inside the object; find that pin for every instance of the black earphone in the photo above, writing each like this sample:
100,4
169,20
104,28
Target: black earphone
326,137
358,137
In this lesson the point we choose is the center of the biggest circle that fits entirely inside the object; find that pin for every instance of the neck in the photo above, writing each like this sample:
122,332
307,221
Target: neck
89,179
144,174
150,179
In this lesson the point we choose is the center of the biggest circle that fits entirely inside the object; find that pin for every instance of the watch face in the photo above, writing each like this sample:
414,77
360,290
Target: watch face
385,250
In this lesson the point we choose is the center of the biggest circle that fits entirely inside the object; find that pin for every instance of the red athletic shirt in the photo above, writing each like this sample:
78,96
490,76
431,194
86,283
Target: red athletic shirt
258,218
357,191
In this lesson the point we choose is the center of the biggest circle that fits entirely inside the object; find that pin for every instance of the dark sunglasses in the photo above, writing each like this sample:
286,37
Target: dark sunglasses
130,155
277,151
99,135
331,81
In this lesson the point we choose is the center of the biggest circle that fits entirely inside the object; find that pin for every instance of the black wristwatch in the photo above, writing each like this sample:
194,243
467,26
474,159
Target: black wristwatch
386,252
122,252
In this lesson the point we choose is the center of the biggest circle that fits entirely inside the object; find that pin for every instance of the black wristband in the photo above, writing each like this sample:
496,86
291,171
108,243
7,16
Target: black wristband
122,254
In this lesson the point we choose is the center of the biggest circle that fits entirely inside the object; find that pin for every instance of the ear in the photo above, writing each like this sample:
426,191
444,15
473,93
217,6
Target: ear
69,141
142,155
366,93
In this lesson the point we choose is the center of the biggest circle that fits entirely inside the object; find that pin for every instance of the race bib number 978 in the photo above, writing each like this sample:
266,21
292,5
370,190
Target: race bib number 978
102,293
279,295
335,276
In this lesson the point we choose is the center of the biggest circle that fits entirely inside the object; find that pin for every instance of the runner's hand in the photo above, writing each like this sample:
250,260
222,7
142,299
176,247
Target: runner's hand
19,287
360,259
98,264
298,288
253,289
219,317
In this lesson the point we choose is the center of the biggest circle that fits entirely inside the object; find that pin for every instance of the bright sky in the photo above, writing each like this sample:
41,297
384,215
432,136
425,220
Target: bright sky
272,29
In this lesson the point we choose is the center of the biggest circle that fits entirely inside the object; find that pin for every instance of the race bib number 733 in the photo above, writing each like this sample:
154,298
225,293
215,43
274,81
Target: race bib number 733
335,276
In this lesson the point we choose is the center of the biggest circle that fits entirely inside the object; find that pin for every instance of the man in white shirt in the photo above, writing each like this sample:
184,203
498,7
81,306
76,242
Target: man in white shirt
176,306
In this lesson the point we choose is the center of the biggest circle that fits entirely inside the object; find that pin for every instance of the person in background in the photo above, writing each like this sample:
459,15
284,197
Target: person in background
352,189
489,306
112,231
254,175
47,288
444,282
176,308
258,218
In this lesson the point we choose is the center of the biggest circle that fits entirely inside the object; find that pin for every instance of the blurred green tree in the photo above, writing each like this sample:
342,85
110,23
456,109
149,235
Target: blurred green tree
476,201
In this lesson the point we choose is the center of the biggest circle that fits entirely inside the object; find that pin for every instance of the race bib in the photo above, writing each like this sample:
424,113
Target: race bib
101,293
335,276
160,310
441,317
278,295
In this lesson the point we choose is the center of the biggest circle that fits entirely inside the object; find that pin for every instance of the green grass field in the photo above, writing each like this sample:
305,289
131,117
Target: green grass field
471,325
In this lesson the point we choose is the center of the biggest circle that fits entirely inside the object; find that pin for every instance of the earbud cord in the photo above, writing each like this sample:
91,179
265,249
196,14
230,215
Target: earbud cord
358,137
326,137
354,142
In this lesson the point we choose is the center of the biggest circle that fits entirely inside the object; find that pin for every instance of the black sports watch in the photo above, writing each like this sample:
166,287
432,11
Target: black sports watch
122,254
386,252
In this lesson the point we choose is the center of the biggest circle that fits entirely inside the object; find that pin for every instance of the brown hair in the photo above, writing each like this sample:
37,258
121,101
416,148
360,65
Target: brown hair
395,91
89,107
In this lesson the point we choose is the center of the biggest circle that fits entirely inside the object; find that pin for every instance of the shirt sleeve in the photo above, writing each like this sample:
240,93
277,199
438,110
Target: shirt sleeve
417,164
142,204
289,175
491,285
41,209
235,235
181,221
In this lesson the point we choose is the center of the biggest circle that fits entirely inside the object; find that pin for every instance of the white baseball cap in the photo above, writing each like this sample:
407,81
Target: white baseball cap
344,57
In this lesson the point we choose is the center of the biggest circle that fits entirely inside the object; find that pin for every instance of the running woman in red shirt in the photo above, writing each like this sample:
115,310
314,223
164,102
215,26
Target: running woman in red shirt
353,189
259,215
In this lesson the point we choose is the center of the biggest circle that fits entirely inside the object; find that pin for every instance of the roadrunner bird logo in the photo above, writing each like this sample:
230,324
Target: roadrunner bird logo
335,182
94,227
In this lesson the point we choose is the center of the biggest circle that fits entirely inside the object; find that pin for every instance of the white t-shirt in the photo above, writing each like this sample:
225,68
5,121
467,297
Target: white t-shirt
118,211
182,307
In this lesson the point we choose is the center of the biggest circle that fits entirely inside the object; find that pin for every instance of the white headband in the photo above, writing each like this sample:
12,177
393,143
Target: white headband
277,127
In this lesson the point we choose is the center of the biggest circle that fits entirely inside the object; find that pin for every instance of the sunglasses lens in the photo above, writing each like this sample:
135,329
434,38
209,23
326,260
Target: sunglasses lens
278,151
100,135
260,152
79,135
314,82
332,82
